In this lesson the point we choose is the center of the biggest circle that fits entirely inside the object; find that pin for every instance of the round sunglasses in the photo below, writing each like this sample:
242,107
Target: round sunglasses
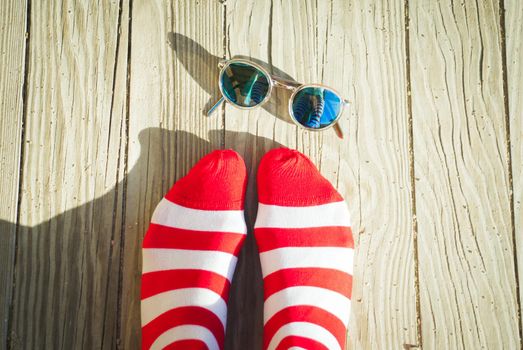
247,85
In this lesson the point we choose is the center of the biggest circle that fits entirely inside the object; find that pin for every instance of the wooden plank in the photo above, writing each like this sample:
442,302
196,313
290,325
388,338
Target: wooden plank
355,53
372,170
66,291
514,69
365,53
174,59
251,27
468,291
12,69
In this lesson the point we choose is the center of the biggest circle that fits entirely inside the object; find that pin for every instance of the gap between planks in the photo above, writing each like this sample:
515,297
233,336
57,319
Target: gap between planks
508,149
20,169
126,167
412,175
125,155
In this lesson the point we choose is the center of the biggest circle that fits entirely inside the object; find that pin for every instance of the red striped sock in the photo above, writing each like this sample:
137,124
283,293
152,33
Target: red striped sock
306,249
189,255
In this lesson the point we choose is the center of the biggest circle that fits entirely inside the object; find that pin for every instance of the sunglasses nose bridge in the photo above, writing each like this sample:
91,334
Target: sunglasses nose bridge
279,84
285,83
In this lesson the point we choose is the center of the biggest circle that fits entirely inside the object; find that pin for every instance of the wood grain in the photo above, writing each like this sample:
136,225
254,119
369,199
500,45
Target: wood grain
356,54
66,291
514,61
12,70
173,68
467,276
373,168
113,116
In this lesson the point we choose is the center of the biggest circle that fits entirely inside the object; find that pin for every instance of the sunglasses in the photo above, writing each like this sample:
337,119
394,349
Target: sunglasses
247,85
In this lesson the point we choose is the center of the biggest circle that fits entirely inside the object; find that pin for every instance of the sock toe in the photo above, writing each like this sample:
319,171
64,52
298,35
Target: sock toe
287,177
216,182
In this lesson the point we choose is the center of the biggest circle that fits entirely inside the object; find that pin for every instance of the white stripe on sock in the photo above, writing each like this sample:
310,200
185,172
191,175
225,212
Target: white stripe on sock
328,300
171,214
160,259
292,257
331,214
186,332
307,330
158,304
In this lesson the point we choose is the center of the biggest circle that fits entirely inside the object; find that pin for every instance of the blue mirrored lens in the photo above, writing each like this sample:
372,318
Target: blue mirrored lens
244,85
315,107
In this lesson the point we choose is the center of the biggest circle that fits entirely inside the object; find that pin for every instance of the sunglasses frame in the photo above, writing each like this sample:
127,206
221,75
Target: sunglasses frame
278,82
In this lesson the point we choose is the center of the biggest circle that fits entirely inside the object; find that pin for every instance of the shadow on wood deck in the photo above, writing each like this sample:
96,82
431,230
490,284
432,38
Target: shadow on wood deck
67,275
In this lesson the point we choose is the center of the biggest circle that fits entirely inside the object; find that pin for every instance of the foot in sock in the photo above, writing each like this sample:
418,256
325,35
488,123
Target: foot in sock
189,255
306,248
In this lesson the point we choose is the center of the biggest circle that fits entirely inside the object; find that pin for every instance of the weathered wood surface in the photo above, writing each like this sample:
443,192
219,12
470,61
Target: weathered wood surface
466,252
114,115
514,71
12,68
374,174
67,245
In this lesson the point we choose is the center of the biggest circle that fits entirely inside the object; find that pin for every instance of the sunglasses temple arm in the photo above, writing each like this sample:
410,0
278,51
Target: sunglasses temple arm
216,105
338,130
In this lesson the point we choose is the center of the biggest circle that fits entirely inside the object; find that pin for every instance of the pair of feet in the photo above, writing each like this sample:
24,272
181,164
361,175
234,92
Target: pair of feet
190,251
